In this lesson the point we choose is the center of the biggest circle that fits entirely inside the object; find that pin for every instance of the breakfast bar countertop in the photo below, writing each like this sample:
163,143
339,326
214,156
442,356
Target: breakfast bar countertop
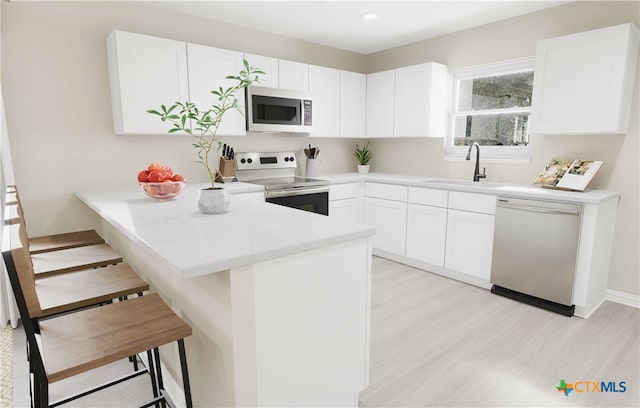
193,244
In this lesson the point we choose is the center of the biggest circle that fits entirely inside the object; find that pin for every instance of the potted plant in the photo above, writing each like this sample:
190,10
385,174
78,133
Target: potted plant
364,155
203,124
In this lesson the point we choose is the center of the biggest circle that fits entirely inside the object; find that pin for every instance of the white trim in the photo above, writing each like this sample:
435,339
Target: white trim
506,67
503,160
623,298
498,111
520,154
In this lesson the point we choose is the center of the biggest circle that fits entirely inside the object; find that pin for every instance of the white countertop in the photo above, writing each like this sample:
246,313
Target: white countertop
193,244
483,187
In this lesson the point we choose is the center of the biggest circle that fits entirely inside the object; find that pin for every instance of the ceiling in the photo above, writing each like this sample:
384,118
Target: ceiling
338,23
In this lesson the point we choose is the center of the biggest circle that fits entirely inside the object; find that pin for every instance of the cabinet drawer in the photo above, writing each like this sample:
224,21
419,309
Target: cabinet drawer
343,191
479,203
386,191
428,196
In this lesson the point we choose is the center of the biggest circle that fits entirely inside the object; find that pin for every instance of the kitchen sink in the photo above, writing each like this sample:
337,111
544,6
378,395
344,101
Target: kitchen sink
461,182
506,187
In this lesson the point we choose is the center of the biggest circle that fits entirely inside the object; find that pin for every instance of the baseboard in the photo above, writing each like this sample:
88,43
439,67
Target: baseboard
171,387
611,295
438,270
623,298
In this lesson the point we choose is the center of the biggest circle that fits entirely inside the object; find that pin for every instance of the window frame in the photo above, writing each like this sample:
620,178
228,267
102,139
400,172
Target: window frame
511,154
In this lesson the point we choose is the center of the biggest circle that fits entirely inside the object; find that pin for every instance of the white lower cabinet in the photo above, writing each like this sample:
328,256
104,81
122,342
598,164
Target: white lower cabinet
390,220
345,202
450,231
345,210
469,243
426,233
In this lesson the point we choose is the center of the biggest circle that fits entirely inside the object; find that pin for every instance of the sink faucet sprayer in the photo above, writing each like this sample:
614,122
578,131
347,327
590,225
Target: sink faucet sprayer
476,173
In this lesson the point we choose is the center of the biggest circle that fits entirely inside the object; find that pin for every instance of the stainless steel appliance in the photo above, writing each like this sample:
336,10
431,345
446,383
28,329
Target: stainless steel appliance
278,110
276,172
534,252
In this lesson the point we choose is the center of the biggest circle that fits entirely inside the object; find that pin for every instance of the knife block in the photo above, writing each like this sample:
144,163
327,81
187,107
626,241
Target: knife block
227,167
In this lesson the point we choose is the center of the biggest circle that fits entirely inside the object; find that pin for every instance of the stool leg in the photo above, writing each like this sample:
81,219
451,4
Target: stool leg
185,374
156,353
152,373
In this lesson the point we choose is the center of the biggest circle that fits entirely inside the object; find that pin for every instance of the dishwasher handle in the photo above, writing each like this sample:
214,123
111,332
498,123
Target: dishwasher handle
540,207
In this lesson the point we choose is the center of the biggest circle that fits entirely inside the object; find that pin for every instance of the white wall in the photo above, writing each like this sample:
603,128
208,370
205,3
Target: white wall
55,84
516,38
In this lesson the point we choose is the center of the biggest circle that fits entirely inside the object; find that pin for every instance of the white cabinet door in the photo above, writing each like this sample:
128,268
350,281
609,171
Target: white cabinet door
353,96
344,210
267,64
208,69
583,82
426,233
390,219
293,75
420,101
145,72
380,104
324,85
469,243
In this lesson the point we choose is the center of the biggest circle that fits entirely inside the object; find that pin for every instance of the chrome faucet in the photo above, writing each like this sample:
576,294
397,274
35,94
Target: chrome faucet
476,173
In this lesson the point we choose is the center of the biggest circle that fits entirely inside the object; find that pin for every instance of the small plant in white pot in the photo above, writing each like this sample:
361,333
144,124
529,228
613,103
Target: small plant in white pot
203,124
363,155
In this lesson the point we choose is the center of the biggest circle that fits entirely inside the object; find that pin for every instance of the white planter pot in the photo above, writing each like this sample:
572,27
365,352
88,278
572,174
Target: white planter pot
213,201
363,169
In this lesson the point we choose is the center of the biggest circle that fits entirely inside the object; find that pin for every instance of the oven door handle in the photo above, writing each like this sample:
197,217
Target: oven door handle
296,192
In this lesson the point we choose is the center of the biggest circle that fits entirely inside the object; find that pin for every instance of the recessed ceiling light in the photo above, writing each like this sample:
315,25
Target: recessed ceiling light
369,16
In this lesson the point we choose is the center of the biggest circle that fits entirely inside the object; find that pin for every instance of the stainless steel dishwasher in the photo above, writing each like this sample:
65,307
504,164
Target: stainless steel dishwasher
534,252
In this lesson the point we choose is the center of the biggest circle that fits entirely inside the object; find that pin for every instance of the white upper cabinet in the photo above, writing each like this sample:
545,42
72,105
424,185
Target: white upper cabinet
267,64
145,72
293,75
324,85
583,82
420,92
407,102
208,69
380,104
353,95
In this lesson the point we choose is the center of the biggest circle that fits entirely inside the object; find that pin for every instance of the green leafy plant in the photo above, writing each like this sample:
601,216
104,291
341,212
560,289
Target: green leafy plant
203,123
363,154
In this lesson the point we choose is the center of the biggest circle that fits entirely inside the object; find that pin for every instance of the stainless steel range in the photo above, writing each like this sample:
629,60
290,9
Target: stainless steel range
276,171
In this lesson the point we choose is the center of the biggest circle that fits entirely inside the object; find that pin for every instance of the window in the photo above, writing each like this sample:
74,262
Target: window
491,107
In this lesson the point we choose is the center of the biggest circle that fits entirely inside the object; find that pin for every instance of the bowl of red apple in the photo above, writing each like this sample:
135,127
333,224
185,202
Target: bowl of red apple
160,182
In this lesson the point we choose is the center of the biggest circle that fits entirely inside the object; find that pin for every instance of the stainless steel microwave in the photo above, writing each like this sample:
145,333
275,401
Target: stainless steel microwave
278,110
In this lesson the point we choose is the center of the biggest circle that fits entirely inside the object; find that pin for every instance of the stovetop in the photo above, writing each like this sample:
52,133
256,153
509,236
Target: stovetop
279,183
273,170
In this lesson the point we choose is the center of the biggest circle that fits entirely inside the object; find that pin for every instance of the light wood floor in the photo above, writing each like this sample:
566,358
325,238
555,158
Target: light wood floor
436,342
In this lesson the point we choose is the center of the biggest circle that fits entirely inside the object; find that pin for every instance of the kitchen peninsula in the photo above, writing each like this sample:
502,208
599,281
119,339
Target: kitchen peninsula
278,298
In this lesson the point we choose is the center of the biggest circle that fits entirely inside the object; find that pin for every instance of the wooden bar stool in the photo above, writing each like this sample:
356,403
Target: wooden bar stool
48,243
84,288
64,346
69,260
87,287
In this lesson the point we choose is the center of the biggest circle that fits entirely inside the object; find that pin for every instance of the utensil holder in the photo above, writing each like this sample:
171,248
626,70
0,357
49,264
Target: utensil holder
312,168
227,167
